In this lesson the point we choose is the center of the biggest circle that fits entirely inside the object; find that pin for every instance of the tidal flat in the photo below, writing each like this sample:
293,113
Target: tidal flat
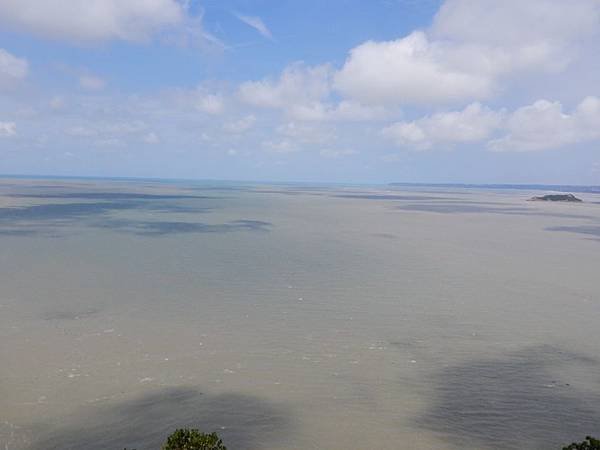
296,316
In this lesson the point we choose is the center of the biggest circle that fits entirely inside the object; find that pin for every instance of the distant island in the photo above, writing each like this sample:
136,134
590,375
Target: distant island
556,198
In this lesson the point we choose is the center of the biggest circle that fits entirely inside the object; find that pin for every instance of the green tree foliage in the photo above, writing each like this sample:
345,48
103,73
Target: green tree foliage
190,439
589,444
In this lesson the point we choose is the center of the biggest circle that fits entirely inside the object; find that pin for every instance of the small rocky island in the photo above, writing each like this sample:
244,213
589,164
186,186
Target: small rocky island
556,198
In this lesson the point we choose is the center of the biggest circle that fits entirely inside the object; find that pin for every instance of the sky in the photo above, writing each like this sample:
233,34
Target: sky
447,91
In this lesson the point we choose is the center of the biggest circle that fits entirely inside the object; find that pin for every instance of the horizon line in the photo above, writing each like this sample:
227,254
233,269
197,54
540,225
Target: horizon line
501,185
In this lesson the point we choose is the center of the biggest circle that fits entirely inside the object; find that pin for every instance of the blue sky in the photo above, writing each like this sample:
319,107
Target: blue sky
344,90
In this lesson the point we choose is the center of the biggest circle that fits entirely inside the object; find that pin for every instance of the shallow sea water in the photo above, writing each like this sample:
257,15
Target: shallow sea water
296,317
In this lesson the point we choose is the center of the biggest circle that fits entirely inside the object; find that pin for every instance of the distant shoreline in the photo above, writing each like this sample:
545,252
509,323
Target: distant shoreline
520,187
502,186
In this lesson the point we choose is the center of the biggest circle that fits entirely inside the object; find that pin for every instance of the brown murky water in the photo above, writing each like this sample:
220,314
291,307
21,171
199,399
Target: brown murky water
289,317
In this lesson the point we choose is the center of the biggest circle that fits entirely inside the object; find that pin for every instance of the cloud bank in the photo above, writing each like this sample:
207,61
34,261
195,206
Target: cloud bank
495,77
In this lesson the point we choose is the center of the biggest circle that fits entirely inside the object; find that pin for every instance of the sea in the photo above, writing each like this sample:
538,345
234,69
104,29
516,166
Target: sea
297,316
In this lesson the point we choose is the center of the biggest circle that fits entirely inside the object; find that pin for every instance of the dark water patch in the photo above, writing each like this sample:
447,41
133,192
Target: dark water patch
515,402
19,232
588,230
384,235
434,203
470,208
110,196
70,314
172,208
243,422
461,208
388,197
45,219
409,344
221,188
59,211
254,224
163,228
47,186
487,203
275,191
291,191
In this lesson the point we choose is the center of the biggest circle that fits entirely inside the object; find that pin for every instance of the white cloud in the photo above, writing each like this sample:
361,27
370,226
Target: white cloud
471,47
93,20
280,146
296,136
298,86
12,69
292,137
515,22
349,110
303,94
209,103
92,82
543,126
256,23
540,126
306,133
8,129
241,125
407,70
208,98
151,138
472,124
112,134
344,111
